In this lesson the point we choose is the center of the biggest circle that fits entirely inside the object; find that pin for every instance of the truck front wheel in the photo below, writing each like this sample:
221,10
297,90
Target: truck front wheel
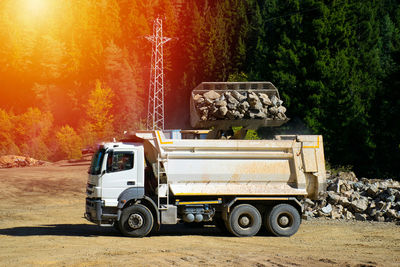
136,220
283,220
245,220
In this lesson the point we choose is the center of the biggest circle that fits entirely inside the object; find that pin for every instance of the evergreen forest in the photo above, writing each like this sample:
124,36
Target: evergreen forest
73,73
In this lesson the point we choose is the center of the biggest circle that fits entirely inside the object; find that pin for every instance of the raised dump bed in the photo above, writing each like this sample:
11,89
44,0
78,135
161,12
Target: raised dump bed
228,104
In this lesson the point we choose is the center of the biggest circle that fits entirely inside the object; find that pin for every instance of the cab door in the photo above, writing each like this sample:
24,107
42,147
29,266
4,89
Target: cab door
121,173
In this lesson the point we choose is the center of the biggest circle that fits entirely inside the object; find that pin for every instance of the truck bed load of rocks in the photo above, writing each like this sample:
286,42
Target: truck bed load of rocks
348,197
238,105
12,161
237,101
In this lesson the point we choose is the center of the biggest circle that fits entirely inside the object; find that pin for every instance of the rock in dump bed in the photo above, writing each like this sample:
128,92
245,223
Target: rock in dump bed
237,105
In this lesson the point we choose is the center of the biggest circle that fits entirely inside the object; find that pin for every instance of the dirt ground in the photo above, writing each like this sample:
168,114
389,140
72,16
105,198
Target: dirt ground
41,223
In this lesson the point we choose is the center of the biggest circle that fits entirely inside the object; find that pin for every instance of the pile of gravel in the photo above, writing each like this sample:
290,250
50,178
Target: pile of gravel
13,161
348,197
235,105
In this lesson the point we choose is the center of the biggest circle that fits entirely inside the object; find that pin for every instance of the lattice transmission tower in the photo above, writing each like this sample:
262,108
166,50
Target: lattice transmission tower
155,114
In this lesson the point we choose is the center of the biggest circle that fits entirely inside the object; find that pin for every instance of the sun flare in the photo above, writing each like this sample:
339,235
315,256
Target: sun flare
36,13
35,7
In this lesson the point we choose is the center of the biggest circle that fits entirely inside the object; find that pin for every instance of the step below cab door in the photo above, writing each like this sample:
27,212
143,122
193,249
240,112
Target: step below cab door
121,173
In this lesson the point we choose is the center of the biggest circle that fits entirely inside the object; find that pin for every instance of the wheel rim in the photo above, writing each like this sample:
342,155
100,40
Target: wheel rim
245,221
285,220
135,221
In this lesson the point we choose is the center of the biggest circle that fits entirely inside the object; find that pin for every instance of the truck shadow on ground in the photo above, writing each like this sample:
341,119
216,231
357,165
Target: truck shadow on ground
84,230
88,230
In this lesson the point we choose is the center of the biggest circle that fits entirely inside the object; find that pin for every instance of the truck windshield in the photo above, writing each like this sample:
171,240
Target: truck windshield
97,162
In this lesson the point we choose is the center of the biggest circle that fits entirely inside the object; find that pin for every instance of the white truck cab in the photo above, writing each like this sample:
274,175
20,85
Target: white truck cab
115,168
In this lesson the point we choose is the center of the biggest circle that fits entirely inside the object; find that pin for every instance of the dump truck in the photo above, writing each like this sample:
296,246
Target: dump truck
148,180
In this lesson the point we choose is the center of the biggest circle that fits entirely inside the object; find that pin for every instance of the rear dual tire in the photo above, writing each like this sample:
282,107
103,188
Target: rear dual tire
283,220
280,220
244,220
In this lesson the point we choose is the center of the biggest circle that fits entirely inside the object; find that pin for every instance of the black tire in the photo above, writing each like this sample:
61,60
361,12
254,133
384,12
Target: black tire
136,221
244,220
283,220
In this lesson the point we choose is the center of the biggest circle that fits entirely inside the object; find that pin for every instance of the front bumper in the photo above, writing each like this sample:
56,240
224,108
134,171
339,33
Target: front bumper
95,212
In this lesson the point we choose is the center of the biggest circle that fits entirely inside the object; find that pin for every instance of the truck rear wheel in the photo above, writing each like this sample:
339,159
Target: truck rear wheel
244,220
136,221
283,220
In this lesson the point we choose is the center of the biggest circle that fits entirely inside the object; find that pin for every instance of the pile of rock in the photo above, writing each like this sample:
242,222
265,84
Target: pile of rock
362,199
12,161
234,105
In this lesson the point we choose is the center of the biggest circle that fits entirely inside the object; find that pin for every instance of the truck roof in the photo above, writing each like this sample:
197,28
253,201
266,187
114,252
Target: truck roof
127,145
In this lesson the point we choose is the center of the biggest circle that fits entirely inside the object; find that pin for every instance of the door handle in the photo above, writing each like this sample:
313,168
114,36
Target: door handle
130,183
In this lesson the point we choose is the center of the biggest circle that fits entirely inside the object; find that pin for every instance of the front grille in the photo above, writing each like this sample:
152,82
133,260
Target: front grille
89,189
90,201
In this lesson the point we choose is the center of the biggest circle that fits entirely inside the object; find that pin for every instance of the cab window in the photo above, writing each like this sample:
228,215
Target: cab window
97,162
120,161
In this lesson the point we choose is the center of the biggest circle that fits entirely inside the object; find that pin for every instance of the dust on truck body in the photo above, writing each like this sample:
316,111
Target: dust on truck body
239,185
